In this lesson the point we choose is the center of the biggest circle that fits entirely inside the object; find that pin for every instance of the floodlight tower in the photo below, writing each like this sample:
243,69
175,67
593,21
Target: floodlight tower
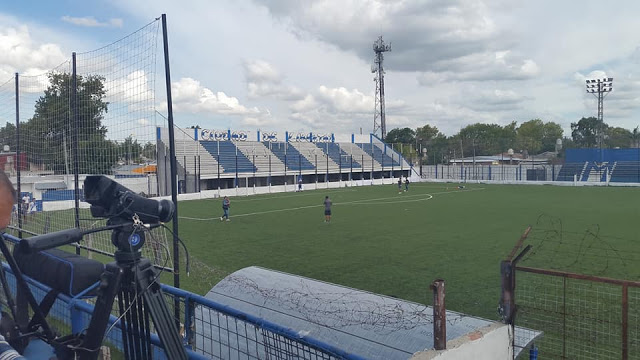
379,121
600,88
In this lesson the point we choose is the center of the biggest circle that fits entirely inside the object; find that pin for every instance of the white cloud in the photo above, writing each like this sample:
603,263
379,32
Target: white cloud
190,96
90,21
501,65
345,101
263,80
483,58
261,71
133,88
491,100
420,32
306,104
338,109
19,52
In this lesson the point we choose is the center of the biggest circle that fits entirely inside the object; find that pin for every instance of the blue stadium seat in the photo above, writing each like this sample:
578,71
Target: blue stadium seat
626,171
377,154
290,156
338,155
229,157
568,170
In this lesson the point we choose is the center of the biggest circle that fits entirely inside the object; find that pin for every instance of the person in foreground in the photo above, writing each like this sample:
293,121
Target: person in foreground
7,199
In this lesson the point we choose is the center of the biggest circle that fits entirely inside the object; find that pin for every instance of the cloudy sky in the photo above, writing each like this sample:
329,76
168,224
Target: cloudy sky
306,65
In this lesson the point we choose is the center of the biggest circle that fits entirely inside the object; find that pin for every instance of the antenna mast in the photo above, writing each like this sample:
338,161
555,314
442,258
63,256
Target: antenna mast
379,121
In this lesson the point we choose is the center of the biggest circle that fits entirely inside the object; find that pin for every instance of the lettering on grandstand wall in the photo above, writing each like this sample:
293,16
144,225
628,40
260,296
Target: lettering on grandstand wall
239,136
310,137
322,138
214,135
299,137
269,136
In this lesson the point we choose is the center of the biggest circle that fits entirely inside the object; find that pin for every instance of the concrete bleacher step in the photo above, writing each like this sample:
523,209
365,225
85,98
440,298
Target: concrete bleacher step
364,158
263,159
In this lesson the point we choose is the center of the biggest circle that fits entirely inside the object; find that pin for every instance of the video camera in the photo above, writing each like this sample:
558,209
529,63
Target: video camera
120,206
131,279
109,199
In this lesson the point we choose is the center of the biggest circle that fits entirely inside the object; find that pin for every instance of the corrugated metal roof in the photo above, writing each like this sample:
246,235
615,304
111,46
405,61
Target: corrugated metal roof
370,325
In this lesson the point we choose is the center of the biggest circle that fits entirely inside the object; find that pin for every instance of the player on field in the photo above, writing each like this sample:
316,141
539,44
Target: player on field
327,209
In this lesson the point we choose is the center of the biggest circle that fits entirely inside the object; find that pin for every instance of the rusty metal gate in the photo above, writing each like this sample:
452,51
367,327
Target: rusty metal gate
580,316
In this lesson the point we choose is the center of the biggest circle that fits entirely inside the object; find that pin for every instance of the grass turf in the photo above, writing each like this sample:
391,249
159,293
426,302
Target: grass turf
397,244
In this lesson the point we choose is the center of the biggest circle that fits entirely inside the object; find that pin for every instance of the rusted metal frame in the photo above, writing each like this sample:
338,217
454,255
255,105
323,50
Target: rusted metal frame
625,322
439,315
564,317
579,276
519,244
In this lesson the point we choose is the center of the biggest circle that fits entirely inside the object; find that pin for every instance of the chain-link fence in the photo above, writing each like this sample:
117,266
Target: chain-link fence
93,114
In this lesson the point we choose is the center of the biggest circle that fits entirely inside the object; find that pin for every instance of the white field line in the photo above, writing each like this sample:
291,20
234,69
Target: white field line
310,192
424,197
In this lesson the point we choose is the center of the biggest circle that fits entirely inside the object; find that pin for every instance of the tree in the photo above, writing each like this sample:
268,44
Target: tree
430,138
404,136
617,137
537,136
149,151
480,139
551,133
529,136
635,137
131,150
584,132
48,135
8,136
427,133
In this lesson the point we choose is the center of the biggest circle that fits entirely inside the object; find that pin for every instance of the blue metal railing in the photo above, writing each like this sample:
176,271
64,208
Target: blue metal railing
247,336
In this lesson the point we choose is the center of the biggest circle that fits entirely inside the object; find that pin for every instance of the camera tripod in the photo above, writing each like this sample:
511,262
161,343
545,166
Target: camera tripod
132,280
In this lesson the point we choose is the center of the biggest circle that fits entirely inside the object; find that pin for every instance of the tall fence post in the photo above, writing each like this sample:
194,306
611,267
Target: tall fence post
174,185
74,123
439,315
18,162
625,322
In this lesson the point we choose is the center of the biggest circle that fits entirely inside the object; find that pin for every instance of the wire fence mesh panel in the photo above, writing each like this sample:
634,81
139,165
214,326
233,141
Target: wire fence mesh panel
8,132
221,336
45,143
579,318
94,114
634,323
116,123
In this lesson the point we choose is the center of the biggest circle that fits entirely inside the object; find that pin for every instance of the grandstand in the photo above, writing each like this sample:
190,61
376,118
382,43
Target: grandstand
213,159
601,165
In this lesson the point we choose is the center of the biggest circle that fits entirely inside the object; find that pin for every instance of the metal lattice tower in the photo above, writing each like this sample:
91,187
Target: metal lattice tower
379,117
600,88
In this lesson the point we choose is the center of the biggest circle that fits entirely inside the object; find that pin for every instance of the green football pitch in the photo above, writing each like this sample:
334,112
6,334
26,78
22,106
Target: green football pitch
396,244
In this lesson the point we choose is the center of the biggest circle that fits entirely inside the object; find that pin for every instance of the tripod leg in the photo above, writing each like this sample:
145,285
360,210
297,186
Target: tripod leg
160,314
109,286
